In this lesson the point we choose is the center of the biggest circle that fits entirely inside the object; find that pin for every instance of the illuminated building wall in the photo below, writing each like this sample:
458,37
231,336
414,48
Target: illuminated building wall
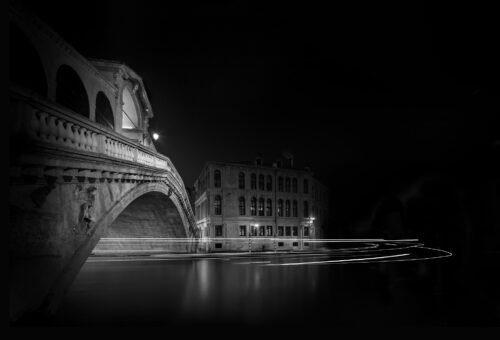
259,206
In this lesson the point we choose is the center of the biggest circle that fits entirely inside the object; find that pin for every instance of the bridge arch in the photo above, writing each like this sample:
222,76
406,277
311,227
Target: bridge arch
106,214
26,68
103,111
70,91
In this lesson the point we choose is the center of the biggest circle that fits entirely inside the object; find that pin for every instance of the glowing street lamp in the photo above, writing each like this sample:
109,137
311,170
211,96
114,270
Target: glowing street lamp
156,136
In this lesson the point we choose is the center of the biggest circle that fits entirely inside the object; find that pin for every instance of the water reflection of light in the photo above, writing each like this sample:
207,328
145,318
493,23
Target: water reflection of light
204,279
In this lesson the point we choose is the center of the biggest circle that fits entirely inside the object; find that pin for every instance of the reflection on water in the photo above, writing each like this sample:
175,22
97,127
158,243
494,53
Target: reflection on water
235,291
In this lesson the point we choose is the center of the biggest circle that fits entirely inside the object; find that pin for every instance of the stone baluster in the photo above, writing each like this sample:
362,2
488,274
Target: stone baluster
109,150
135,155
44,127
61,131
111,147
88,140
52,129
90,143
95,142
118,150
83,138
70,135
76,134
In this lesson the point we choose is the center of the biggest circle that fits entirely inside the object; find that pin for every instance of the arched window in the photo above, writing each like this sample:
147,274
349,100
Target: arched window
130,117
253,181
70,91
241,180
294,208
218,205
269,183
287,208
242,206
25,66
261,206
306,209
253,206
294,185
306,186
280,184
103,111
269,207
261,182
287,184
217,179
280,207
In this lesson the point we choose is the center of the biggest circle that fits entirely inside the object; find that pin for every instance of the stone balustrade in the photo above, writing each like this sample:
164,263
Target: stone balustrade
63,130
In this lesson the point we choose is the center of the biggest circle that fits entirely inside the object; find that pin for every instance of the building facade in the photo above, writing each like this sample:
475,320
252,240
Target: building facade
259,207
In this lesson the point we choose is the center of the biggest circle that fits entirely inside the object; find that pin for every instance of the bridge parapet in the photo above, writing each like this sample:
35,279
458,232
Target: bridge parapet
48,123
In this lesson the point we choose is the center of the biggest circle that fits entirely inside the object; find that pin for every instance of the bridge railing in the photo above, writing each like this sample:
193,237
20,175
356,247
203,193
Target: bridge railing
49,123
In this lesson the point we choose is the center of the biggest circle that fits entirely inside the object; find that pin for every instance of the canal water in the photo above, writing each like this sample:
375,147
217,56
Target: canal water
261,290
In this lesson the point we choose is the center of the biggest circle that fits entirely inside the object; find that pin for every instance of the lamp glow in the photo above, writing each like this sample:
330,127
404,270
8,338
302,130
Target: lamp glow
156,136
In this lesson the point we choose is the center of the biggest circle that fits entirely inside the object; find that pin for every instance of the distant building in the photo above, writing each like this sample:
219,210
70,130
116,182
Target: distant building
257,206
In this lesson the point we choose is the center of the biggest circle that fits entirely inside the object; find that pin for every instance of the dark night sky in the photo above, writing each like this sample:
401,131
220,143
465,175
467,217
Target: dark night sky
350,90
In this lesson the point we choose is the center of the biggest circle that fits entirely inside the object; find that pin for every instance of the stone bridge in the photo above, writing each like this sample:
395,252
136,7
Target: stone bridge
82,165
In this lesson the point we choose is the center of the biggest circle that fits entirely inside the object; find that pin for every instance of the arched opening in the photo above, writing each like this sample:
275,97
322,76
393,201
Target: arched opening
103,111
70,91
130,118
26,68
148,224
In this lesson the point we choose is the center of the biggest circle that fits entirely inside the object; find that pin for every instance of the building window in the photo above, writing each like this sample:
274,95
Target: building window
269,207
253,206
287,208
243,230
294,185
269,183
288,231
269,230
306,186
280,231
217,178
306,209
253,231
294,208
306,231
241,180
287,184
261,182
280,184
218,231
242,206
253,181
295,231
262,230
261,206
280,207
218,205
